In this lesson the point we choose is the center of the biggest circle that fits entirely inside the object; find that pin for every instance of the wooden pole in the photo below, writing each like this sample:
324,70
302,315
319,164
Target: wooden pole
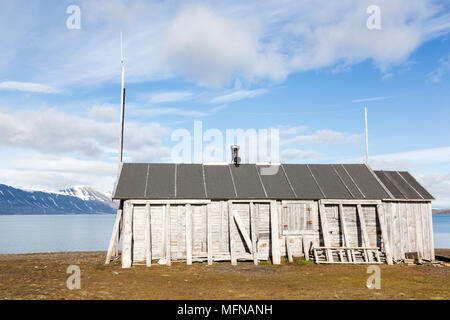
209,235
367,136
231,232
167,227
276,255
188,234
344,232
113,242
325,232
253,232
148,236
122,104
127,236
384,235
365,236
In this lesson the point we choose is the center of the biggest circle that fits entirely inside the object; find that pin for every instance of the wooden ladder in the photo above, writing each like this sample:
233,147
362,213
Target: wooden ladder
321,256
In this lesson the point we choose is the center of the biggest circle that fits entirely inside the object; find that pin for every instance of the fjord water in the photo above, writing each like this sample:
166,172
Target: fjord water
91,232
55,233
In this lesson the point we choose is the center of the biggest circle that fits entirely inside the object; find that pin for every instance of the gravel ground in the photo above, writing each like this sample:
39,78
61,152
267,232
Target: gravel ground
43,276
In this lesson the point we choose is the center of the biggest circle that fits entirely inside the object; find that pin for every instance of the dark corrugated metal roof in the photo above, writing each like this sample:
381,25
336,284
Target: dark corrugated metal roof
403,186
161,180
250,181
276,185
366,181
219,182
247,182
303,183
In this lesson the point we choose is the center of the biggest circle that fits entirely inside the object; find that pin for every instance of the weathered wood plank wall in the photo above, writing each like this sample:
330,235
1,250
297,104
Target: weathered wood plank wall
242,230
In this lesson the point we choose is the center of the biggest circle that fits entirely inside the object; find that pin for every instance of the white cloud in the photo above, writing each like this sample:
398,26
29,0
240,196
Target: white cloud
214,44
372,99
324,137
57,133
287,130
156,112
438,184
238,95
169,96
442,69
297,154
209,48
27,87
55,173
423,156
104,112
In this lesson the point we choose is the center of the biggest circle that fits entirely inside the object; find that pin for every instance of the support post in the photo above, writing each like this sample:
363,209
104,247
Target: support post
384,235
231,232
148,236
114,241
325,232
209,235
344,233
288,249
253,232
276,255
365,235
167,227
188,234
127,236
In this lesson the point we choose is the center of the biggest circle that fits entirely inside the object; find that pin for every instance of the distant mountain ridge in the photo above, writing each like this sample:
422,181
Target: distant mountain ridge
442,211
72,200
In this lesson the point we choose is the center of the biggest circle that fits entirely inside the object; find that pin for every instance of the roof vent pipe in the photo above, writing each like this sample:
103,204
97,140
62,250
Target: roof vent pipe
235,155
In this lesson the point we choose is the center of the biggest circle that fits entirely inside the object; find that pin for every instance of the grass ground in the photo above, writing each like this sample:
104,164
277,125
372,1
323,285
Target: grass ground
43,276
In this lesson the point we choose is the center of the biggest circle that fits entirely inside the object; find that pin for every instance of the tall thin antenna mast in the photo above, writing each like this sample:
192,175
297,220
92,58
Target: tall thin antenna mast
122,104
367,137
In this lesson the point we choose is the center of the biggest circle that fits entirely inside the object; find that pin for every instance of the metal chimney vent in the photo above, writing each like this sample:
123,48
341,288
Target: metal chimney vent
235,155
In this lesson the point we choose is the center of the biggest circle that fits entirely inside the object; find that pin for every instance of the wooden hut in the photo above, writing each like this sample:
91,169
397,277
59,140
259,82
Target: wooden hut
340,213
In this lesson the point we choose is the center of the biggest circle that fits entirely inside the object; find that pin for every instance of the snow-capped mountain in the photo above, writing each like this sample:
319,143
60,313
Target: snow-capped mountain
87,193
73,200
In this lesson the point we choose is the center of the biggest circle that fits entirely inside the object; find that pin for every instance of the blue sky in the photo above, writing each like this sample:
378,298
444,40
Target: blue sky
305,68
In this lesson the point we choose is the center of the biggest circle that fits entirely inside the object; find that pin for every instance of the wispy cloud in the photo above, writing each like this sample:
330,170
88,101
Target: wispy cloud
215,43
324,137
288,130
156,112
298,154
238,95
169,96
442,69
372,99
27,87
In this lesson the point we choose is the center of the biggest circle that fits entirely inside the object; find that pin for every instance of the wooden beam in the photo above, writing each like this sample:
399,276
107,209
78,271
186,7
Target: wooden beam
365,235
288,249
209,234
113,242
325,232
350,202
144,202
188,216
231,233
222,227
344,232
430,229
244,232
168,235
179,232
384,235
276,255
253,232
305,245
148,236
127,236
